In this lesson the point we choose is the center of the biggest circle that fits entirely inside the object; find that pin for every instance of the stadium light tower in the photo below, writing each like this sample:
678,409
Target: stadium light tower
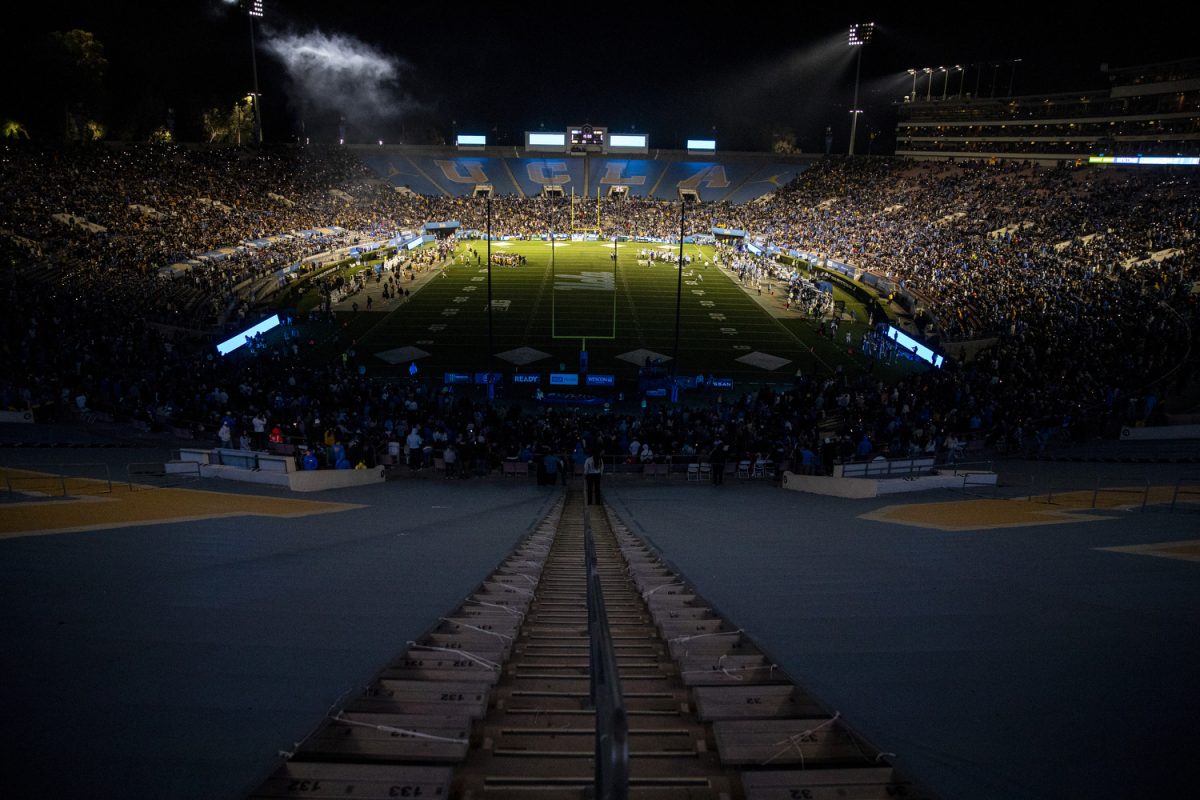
253,9
860,34
913,96
928,83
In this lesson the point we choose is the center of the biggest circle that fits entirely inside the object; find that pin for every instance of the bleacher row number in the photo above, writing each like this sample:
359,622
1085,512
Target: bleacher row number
893,790
304,786
396,790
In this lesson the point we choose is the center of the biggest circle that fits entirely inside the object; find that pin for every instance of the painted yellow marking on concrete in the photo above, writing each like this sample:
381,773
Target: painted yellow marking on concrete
1185,551
1046,509
966,515
91,505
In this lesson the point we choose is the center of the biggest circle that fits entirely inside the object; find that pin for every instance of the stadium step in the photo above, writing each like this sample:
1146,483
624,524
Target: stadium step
493,701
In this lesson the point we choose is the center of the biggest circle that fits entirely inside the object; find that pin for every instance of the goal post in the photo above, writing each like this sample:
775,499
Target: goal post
580,219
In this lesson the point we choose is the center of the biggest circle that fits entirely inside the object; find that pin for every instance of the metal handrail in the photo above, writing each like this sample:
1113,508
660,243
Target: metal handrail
1179,488
1143,490
51,472
612,724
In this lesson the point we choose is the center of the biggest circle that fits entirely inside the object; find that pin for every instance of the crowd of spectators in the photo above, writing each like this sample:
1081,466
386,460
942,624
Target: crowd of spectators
1053,263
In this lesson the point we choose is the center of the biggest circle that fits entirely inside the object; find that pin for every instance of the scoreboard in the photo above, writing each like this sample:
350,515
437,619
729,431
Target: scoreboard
587,137
580,139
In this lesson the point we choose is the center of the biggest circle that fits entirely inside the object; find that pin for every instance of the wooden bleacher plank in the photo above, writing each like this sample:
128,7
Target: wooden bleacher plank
785,741
321,781
760,701
365,735
866,783
717,670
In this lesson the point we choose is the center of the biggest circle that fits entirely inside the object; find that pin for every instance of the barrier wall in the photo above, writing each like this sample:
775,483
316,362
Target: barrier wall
250,466
1163,432
863,488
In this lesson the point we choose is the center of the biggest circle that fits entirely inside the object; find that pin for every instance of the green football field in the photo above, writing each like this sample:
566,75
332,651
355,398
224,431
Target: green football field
576,294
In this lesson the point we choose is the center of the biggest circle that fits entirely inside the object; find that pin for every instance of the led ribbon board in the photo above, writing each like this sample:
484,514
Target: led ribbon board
234,342
537,140
628,143
910,344
1147,161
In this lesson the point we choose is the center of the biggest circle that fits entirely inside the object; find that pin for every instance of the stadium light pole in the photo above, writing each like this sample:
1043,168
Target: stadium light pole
913,96
678,305
929,82
253,9
491,341
1012,75
860,34
945,80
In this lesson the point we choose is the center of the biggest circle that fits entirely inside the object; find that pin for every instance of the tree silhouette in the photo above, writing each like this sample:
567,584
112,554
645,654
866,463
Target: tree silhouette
75,79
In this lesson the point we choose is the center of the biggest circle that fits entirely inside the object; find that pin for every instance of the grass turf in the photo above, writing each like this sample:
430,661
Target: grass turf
575,292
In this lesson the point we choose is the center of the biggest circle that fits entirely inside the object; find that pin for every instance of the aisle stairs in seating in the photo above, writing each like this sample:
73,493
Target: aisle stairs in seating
584,622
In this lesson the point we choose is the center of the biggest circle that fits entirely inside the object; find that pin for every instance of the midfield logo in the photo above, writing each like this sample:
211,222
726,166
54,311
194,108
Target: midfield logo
585,282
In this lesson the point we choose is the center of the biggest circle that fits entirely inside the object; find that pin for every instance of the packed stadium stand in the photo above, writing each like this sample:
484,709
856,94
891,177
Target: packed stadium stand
220,643
1044,263
1151,110
449,173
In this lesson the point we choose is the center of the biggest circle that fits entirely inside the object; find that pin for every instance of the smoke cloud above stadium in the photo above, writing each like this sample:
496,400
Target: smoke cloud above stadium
334,72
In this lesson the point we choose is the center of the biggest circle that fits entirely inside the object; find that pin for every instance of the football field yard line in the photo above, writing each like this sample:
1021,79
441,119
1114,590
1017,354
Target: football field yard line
585,293
778,322
547,280
623,268
720,321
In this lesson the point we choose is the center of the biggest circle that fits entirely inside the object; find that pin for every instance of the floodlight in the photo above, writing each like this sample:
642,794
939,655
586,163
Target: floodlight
861,33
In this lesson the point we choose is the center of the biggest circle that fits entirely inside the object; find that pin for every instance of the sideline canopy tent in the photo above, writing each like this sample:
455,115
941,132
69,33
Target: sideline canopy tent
725,234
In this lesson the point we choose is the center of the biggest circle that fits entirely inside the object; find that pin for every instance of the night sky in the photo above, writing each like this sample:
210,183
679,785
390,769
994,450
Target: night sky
741,73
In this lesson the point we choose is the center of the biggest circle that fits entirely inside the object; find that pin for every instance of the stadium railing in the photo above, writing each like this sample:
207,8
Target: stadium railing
612,724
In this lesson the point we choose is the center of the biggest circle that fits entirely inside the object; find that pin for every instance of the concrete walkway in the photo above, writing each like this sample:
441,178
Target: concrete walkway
176,660
1013,662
